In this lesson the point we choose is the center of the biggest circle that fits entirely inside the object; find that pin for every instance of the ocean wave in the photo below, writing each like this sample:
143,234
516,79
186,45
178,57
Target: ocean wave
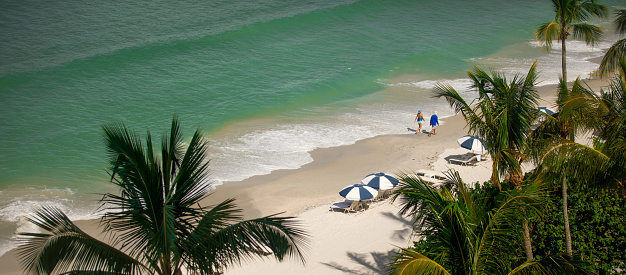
289,145
18,203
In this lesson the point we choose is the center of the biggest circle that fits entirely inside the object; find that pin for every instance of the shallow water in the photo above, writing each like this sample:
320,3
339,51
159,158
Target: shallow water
267,81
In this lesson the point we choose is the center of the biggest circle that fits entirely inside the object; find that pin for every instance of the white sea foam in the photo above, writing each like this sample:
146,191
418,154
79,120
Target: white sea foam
287,145
19,203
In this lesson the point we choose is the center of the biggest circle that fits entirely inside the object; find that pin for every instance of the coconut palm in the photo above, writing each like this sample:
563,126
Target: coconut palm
560,126
610,61
469,232
604,113
570,19
582,110
502,117
156,221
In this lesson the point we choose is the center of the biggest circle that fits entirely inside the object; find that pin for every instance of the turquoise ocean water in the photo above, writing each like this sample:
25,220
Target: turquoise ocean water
266,81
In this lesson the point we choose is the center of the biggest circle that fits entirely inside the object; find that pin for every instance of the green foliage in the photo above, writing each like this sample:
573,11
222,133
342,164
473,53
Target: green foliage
570,17
597,218
156,218
502,117
610,61
473,231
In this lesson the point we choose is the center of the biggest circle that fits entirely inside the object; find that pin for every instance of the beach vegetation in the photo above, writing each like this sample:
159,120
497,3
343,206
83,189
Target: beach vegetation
560,127
601,115
157,223
571,19
472,231
502,118
597,217
610,61
595,167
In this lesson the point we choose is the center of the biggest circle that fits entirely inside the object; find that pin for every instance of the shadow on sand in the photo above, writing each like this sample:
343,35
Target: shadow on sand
378,266
376,262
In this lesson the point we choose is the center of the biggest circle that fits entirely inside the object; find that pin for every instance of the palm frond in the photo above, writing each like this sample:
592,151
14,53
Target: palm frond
587,9
590,33
557,264
610,61
620,21
65,248
191,182
439,216
409,262
222,239
171,151
547,33
500,232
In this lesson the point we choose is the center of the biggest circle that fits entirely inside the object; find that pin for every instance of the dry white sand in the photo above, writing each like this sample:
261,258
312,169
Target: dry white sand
342,243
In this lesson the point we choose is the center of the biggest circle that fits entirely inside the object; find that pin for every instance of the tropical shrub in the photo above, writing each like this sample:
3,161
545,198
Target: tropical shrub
597,218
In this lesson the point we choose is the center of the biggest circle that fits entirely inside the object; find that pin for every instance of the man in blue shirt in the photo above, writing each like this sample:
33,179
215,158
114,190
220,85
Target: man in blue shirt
434,121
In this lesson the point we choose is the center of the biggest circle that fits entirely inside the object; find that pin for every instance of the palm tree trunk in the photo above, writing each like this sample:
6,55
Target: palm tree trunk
516,179
563,62
568,236
528,248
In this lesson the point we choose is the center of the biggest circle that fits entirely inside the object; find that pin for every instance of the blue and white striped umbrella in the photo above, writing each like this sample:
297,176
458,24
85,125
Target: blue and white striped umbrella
546,110
358,192
380,181
472,143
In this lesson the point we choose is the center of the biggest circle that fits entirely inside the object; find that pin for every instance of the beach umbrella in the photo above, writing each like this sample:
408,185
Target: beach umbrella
472,143
358,192
380,181
546,110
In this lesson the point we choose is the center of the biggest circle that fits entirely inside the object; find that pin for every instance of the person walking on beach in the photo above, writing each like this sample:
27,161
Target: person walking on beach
419,119
434,121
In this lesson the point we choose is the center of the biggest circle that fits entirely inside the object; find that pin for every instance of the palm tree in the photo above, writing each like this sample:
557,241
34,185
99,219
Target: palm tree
468,232
561,126
156,221
604,113
610,61
570,19
502,117
582,110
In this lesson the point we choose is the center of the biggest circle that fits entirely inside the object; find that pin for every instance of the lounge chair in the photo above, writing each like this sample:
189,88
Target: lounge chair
431,174
465,161
347,206
383,194
434,182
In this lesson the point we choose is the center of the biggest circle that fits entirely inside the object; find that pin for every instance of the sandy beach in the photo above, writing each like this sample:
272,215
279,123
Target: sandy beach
342,243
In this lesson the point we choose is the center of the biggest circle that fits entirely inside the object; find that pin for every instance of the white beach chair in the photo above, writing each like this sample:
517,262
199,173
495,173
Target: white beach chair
465,161
382,194
433,178
346,206
431,174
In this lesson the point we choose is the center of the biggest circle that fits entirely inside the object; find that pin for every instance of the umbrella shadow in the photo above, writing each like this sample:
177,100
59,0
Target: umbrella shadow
379,265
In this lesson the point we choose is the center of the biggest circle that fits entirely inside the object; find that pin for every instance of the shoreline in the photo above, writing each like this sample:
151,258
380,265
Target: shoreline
308,191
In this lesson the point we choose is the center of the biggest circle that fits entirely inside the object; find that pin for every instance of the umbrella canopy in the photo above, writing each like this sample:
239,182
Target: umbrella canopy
358,192
380,181
546,110
472,143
